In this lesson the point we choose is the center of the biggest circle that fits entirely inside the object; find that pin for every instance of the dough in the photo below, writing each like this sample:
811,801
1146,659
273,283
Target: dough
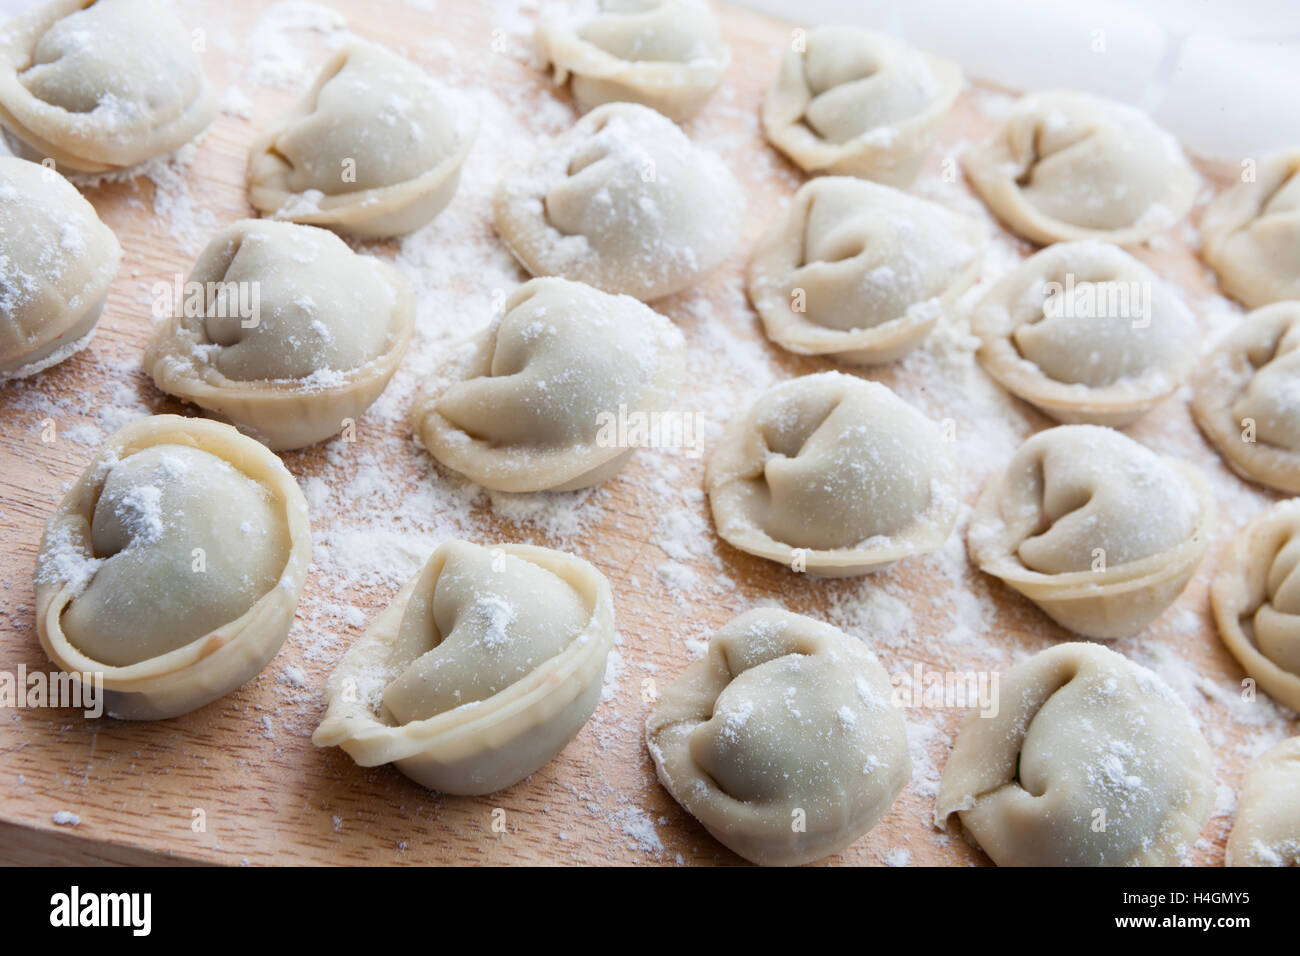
1091,760
1250,234
173,566
1073,166
623,201
371,150
533,402
284,331
1256,599
859,271
834,475
1094,528
100,85
57,261
1086,333
856,103
1247,397
1267,831
783,741
664,54
479,672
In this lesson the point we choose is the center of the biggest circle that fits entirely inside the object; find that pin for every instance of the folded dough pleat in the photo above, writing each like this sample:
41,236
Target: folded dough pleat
103,85
1250,234
155,508
1090,760
1068,166
492,618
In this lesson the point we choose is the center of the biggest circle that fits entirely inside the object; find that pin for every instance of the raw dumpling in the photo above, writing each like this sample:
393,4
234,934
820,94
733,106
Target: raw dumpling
1073,166
371,150
284,331
664,54
1247,397
855,103
533,403
173,566
786,721
57,261
479,672
860,271
1256,599
1086,333
834,475
623,201
98,85
1094,528
1267,830
1251,234
1091,760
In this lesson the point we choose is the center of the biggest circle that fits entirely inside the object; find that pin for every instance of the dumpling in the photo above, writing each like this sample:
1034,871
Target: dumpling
856,103
1250,234
173,566
482,668
1086,333
535,402
57,261
99,85
371,150
859,271
833,475
624,202
1247,397
1256,599
1074,166
783,741
1091,760
1267,829
1097,530
284,331
664,54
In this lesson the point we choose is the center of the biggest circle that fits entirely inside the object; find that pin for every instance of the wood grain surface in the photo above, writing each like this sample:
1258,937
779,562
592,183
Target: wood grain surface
265,795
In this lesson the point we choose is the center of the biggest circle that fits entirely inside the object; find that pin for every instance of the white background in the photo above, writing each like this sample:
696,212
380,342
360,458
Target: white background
1224,77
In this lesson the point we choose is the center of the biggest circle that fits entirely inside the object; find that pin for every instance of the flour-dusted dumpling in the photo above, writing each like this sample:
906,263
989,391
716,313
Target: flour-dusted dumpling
1267,829
1090,760
57,261
856,103
284,331
1084,332
371,150
860,271
482,668
1247,397
173,566
783,741
1097,530
834,475
98,85
1073,166
664,54
535,402
623,201
1251,233
1256,599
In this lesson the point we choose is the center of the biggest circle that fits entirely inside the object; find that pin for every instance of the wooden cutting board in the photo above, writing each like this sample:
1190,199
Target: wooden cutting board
239,781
